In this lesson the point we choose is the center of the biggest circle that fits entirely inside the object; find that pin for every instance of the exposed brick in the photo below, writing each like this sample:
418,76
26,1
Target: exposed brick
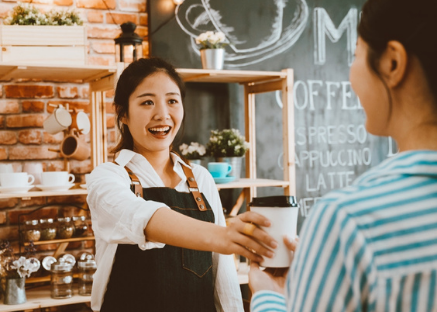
145,48
53,138
3,154
84,92
9,107
80,167
66,92
8,203
55,166
85,105
112,136
144,19
9,233
2,122
30,136
120,18
5,9
63,2
34,201
110,107
101,60
103,47
39,1
110,121
8,137
132,5
2,217
29,91
142,31
31,152
95,16
110,93
22,121
72,199
103,32
49,212
96,4
32,106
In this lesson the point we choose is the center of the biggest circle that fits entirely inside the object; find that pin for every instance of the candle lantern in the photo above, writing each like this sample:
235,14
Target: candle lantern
128,46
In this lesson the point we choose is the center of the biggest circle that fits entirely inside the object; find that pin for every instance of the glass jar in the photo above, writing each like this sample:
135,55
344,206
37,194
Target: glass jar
65,228
61,283
80,226
32,231
48,229
87,267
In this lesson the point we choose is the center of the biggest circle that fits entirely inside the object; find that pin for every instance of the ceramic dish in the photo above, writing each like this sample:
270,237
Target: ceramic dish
16,189
56,188
224,180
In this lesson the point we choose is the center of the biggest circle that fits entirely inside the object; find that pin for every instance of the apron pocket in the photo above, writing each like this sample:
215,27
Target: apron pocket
197,262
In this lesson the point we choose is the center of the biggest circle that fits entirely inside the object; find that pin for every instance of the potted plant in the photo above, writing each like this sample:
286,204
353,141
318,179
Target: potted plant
212,52
228,146
193,152
32,37
15,270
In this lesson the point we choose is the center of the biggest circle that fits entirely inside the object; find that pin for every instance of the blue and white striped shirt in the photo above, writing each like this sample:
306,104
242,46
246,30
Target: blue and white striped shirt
369,247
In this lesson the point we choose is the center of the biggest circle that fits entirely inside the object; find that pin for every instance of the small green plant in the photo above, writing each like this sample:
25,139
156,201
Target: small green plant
27,14
226,143
211,40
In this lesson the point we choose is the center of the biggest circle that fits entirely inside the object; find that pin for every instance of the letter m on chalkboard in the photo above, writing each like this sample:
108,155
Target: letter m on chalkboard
323,26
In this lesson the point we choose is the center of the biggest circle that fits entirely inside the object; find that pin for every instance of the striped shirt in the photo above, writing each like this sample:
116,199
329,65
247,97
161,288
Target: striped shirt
369,247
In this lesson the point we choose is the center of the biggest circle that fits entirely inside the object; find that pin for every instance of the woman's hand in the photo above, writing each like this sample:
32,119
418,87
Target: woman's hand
244,238
270,278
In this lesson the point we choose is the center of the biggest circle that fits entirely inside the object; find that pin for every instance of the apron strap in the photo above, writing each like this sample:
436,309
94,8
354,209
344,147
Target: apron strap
191,181
192,186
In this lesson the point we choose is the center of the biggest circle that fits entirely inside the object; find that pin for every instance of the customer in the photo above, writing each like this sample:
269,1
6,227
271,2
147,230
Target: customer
150,257
373,246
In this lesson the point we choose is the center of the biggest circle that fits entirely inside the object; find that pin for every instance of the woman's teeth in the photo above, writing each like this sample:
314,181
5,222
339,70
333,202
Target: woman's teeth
160,130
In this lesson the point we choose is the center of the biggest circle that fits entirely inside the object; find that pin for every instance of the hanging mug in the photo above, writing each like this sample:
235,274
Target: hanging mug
74,147
58,121
81,122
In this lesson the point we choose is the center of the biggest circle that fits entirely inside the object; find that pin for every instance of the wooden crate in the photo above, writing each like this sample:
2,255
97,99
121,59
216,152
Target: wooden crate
22,44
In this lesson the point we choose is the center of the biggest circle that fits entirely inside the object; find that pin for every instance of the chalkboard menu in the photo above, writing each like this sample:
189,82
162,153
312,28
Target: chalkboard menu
315,38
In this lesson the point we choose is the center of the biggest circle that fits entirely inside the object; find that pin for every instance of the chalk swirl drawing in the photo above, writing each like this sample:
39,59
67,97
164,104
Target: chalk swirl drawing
197,16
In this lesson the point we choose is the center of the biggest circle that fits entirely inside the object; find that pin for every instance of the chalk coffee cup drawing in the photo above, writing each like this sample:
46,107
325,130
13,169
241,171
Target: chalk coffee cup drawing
16,179
56,178
282,211
58,121
74,147
219,169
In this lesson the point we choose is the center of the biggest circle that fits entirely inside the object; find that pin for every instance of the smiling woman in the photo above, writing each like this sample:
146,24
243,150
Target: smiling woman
158,221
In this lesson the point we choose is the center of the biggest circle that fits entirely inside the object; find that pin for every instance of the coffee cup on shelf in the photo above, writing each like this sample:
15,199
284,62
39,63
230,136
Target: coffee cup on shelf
58,121
282,211
16,179
52,178
219,169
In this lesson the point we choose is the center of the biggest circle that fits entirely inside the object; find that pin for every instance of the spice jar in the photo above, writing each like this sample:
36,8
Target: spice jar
65,228
87,267
80,226
32,231
48,229
61,283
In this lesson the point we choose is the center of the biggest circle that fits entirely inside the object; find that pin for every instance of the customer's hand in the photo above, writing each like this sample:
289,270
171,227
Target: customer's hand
242,236
270,278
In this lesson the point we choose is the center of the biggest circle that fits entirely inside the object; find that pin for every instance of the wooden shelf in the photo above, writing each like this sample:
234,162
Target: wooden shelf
228,76
38,298
59,241
246,183
44,193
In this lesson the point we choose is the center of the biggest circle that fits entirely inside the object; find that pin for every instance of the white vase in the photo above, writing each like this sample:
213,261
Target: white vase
212,58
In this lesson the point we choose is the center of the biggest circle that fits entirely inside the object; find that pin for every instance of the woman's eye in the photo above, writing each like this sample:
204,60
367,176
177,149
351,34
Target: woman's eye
148,102
172,101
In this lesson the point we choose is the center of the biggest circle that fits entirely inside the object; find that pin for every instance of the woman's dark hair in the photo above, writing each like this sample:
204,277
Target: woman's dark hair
129,80
412,23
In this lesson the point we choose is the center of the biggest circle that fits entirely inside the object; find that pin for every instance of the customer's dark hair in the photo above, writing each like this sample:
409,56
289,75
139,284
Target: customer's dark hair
412,23
129,80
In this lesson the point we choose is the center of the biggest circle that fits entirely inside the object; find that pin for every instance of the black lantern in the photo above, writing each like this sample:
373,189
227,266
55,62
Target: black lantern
128,46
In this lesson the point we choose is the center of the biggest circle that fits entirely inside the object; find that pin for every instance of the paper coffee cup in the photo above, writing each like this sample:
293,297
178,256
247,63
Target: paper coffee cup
282,211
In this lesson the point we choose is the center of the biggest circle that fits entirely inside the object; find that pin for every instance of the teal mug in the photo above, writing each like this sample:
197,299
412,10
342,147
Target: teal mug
219,169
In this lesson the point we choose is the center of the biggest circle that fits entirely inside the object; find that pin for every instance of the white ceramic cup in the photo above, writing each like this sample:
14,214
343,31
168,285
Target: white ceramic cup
34,169
58,121
282,211
51,178
16,179
6,168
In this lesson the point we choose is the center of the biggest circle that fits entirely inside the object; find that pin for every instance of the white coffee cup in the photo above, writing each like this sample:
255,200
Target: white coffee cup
34,169
51,178
16,179
6,168
282,211
58,121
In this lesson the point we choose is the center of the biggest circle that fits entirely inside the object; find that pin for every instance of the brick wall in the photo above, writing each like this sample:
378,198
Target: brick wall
24,105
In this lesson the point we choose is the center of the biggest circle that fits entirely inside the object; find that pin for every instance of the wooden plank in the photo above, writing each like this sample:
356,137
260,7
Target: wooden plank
41,55
31,35
32,194
265,87
57,241
248,183
249,116
227,76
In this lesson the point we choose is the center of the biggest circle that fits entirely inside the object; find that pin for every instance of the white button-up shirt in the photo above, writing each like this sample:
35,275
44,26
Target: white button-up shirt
119,217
